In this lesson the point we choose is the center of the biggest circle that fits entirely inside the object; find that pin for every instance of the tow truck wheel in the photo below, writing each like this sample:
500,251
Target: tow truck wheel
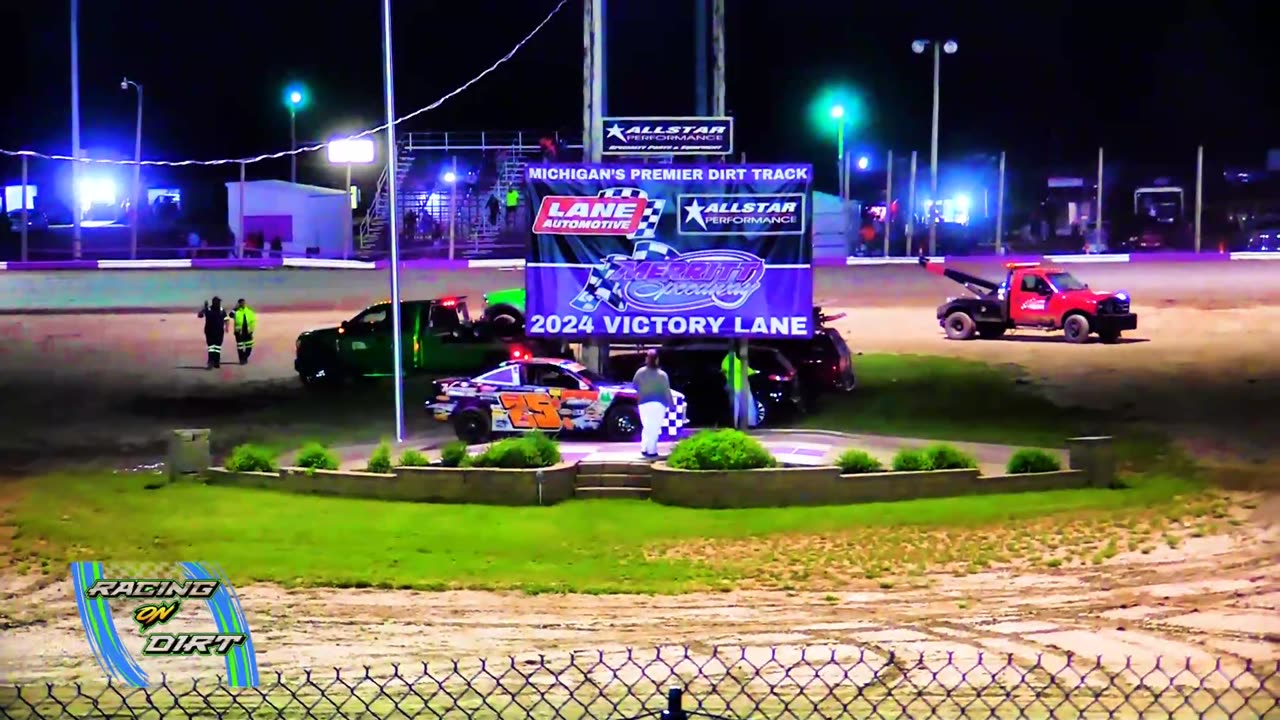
1076,329
506,321
472,427
960,326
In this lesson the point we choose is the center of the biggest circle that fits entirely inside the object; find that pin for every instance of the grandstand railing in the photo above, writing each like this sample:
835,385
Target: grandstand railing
521,140
681,683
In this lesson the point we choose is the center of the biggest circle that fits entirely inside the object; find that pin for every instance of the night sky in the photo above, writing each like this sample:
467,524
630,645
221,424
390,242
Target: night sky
1047,82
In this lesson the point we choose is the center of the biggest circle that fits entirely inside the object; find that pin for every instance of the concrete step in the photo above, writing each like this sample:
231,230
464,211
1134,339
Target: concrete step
615,467
614,480
611,493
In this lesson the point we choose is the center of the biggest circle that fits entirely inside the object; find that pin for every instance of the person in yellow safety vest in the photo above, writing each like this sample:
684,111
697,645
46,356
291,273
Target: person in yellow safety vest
244,323
736,371
513,206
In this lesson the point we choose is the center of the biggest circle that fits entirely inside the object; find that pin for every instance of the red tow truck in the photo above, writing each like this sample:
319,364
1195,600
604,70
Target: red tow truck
1031,296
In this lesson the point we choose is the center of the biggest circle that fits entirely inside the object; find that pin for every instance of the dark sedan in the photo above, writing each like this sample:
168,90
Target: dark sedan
694,369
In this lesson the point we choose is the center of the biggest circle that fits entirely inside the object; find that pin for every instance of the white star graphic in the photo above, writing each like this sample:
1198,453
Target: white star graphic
693,213
615,132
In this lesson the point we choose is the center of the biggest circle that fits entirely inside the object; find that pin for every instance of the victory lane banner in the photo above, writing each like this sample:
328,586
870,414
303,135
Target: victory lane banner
668,251
638,136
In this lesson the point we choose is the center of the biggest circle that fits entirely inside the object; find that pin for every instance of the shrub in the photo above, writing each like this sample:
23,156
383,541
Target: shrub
514,453
314,456
947,457
453,454
911,460
251,458
857,462
545,447
720,450
380,460
1032,460
415,458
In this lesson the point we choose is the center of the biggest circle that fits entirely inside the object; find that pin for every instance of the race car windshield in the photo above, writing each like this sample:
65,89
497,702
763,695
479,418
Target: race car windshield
1066,281
590,376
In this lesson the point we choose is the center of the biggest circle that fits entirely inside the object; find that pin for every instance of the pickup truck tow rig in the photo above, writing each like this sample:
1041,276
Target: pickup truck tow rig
1031,296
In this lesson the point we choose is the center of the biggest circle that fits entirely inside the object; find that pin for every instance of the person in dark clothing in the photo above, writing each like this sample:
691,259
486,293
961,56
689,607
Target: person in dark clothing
493,206
277,247
410,226
215,329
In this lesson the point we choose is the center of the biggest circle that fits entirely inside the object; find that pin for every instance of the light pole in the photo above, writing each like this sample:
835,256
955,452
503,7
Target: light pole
75,129
389,95
837,114
125,84
949,47
294,99
348,152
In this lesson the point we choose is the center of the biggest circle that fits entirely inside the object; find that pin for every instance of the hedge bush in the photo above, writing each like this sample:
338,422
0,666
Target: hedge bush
251,458
415,458
946,457
858,462
314,456
1032,460
911,460
547,449
720,450
523,452
380,460
453,454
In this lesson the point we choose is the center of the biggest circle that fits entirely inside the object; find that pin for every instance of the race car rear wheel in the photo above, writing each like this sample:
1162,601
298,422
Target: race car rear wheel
622,423
472,426
960,326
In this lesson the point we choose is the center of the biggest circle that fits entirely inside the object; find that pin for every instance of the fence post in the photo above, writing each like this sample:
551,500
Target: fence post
24,218
675,706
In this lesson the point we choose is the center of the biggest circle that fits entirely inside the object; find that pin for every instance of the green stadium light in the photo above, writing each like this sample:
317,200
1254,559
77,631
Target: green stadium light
295,98
836,108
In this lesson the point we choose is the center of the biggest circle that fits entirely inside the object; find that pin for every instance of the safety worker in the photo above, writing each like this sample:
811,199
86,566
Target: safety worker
736,371
216,324
513,206
244,321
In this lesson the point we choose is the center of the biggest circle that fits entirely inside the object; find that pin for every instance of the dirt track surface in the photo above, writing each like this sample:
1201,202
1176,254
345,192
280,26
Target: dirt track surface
1204,362
1214,599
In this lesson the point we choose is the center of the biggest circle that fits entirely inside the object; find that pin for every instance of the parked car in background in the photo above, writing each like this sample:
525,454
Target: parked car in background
36,221
1262,234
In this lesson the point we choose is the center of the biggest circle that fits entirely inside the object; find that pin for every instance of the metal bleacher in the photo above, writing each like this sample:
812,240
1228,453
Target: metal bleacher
501,159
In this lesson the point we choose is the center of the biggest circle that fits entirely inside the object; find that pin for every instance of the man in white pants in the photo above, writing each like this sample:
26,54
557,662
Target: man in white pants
653,388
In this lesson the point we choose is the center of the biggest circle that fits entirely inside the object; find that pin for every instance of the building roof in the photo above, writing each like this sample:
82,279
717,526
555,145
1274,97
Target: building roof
286,185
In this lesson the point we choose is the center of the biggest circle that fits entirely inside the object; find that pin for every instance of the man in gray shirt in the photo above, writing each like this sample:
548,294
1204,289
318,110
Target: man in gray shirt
653,388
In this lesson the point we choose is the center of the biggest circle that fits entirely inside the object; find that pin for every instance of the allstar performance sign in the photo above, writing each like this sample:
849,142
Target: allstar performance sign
639,136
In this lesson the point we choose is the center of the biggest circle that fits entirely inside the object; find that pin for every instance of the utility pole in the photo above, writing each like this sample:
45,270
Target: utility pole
1199,191
397,340
933,148
1000,209
911,205
888,202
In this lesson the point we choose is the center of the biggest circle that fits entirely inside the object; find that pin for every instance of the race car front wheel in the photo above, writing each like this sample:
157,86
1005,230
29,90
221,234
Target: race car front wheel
472,427
622,423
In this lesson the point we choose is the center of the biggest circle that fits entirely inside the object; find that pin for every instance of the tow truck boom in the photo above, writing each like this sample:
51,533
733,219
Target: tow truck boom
972,283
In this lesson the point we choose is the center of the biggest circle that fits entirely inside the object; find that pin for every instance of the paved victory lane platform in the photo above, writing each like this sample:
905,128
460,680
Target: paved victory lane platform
514,264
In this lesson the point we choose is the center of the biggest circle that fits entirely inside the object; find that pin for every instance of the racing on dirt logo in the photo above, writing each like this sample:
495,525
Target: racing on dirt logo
154,604
775,214
668,136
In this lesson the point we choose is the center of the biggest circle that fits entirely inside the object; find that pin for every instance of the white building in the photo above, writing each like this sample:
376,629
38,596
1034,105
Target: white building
308,220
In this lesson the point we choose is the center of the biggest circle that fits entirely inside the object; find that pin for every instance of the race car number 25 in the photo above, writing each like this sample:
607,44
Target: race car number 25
561,325
531,411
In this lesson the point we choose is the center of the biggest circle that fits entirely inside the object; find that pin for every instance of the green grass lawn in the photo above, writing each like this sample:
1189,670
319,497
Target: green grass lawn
597,546
947,398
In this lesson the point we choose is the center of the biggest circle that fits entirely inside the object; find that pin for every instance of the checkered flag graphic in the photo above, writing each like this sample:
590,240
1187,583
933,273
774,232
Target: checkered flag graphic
652,211
601,287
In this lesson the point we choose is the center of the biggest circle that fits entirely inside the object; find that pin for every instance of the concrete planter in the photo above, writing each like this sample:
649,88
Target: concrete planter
338,483
1033,482
766,487
234,478
487,486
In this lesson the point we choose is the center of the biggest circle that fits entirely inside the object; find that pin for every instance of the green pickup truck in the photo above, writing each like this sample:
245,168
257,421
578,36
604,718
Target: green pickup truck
438,337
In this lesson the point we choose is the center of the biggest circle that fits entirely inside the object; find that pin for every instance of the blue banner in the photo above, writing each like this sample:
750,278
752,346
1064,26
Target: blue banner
660,251
667,136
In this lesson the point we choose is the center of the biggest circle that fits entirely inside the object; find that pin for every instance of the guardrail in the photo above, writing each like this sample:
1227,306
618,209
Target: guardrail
681,683
518,263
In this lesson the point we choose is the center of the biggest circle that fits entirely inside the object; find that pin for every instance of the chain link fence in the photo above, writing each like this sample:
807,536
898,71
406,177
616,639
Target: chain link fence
679,683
